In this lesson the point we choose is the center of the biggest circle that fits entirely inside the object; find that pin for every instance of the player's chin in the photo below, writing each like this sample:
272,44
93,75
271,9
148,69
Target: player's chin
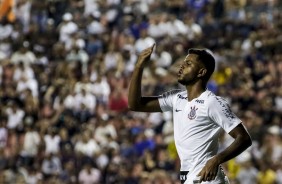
181,81
179,77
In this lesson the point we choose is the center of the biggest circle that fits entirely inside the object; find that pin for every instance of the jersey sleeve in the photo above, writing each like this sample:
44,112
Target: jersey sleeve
166,100
220,112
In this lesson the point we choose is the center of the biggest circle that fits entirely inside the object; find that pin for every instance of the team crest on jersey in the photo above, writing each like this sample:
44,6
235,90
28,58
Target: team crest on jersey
192,113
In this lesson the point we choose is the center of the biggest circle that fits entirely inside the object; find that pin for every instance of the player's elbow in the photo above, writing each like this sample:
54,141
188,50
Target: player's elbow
247,140
250,142
135,105
132,107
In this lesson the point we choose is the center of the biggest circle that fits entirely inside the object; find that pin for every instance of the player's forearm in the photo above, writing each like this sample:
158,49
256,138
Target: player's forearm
134,95
240,144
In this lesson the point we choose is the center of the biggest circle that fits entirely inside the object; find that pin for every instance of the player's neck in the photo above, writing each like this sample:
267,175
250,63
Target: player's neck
195,90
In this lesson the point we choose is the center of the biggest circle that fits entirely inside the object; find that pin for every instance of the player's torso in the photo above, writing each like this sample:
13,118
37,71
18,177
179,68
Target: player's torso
191,117
194,131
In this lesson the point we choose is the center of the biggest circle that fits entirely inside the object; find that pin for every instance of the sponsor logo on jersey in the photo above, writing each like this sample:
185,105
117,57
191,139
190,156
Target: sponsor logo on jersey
226,109
200,101
181,97
192,113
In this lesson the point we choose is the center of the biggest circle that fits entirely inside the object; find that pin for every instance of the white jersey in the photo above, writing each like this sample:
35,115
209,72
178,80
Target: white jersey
197,126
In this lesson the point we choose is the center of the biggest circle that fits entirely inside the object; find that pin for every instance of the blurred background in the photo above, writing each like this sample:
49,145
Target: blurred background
65,66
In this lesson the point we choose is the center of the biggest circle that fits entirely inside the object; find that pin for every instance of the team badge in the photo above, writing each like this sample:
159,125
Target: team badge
192,114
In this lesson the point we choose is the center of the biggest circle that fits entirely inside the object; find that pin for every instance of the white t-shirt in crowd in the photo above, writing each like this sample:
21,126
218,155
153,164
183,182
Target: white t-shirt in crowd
31,143
27,58
52,143
66,29
28,83
197,126
89,178
3,137
14,118
89,101
89,148
26,72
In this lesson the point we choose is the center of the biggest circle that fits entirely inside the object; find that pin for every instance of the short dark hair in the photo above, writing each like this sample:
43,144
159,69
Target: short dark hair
206,58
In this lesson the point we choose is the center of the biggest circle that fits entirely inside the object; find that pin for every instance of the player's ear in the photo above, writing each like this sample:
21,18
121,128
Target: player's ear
202,72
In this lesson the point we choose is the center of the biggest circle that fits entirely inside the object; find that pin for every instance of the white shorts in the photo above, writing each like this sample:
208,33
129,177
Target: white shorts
221,178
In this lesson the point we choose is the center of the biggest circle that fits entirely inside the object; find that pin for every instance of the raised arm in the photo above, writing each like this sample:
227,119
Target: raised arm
137,102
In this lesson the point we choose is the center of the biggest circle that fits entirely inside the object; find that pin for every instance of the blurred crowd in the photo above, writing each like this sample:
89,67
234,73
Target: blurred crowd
65,66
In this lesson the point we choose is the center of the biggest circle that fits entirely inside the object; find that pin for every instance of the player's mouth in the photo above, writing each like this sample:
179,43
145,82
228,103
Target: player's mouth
180,72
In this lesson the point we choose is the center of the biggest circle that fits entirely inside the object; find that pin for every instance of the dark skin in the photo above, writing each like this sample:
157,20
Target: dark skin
191,75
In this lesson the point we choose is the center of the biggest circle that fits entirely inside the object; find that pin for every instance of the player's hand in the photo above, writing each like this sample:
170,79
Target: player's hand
209,171
144,56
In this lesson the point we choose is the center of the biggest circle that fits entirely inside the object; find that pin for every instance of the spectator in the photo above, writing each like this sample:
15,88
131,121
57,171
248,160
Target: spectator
90,6
86,145
117,101
3,162
31,145
105,131
23,70
157,26
68,174
5,47
33,176
3,132
271,151
85,103
163,161
129,58
89,175
52,141
193,29
94,45
26,83
78,54
247,173
279,175
15,116
175,26
22,13
113,60
24,55
144,41
97,24
101,89
266,174
51,166
162,58
67,27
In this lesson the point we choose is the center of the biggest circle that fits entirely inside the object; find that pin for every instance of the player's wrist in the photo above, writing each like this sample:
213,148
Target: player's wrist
218,160
139,66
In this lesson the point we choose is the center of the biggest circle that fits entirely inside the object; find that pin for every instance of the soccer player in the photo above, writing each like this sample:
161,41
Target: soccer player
199,116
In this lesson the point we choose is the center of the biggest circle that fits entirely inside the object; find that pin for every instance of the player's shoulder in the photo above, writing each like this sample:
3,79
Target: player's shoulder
175,93
213,99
